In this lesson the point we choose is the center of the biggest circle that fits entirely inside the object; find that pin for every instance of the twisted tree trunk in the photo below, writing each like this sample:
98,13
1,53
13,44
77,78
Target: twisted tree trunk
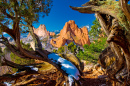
114,18
38,53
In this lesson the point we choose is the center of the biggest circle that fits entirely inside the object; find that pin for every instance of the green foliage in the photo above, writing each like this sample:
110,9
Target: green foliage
26,46
19,60
17,15
92,51
72,47
55,36
26,12
97,45
54,50
95,29
61,50
115,8
81,55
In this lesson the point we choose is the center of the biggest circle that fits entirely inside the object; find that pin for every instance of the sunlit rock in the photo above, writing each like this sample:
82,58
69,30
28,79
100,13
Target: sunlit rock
71,33
40,31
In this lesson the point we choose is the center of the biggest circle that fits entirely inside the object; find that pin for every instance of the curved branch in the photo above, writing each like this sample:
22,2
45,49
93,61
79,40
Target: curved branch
118,63
95,9
87,9
124,6
7,30
25,82
11,77
12,64
36,40
102,23
5,13
113,10
41,55
117,36
11,47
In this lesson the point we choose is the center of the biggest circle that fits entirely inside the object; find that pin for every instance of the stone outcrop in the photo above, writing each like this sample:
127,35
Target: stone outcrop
52,34
71,33
41,31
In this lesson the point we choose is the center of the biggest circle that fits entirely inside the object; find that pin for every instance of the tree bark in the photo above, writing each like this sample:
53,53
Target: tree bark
118,34
125,8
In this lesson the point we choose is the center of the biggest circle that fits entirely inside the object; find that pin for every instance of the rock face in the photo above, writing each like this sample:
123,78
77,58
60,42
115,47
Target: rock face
52,34
40,31
71,33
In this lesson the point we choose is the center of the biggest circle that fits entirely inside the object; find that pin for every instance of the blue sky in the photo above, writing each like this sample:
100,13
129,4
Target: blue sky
61,13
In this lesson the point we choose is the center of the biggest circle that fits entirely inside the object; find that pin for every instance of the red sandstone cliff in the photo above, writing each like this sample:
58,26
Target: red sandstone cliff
70,33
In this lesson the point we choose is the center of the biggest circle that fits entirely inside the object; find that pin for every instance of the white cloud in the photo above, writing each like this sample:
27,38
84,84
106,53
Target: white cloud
88,27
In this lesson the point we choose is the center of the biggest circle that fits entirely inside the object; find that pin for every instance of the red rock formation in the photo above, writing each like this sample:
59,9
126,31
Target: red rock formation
52,34
70,33
41,31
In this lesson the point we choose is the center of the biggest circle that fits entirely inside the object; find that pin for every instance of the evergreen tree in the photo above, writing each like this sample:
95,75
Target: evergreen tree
72,47
95,29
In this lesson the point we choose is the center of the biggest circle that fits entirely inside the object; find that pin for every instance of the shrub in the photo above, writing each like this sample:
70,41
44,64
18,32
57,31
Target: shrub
92,52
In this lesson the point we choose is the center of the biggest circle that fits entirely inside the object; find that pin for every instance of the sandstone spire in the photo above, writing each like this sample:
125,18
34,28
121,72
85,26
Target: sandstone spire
71,33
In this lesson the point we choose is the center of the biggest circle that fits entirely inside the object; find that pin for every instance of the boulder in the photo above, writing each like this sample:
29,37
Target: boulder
71,33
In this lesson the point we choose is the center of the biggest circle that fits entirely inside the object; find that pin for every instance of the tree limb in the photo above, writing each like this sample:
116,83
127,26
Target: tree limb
102,23
11,47
119,60
2,10
117,36
113,10
36,40
24,82
95,9
124,6
7,30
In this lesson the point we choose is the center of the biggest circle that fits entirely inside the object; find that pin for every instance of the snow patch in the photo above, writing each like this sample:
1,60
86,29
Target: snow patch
61,60
4,33
7,84
33,68
29,66
15,73
70,78
67,66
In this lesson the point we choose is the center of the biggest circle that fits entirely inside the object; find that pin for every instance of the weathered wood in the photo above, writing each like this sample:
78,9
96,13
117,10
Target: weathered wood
116,28
125,8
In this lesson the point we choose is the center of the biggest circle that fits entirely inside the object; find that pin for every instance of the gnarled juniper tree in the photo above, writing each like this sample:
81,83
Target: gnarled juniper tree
114,18
16,15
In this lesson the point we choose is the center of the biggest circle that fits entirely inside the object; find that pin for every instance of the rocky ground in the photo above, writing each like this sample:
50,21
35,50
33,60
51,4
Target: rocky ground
89,79
93,76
